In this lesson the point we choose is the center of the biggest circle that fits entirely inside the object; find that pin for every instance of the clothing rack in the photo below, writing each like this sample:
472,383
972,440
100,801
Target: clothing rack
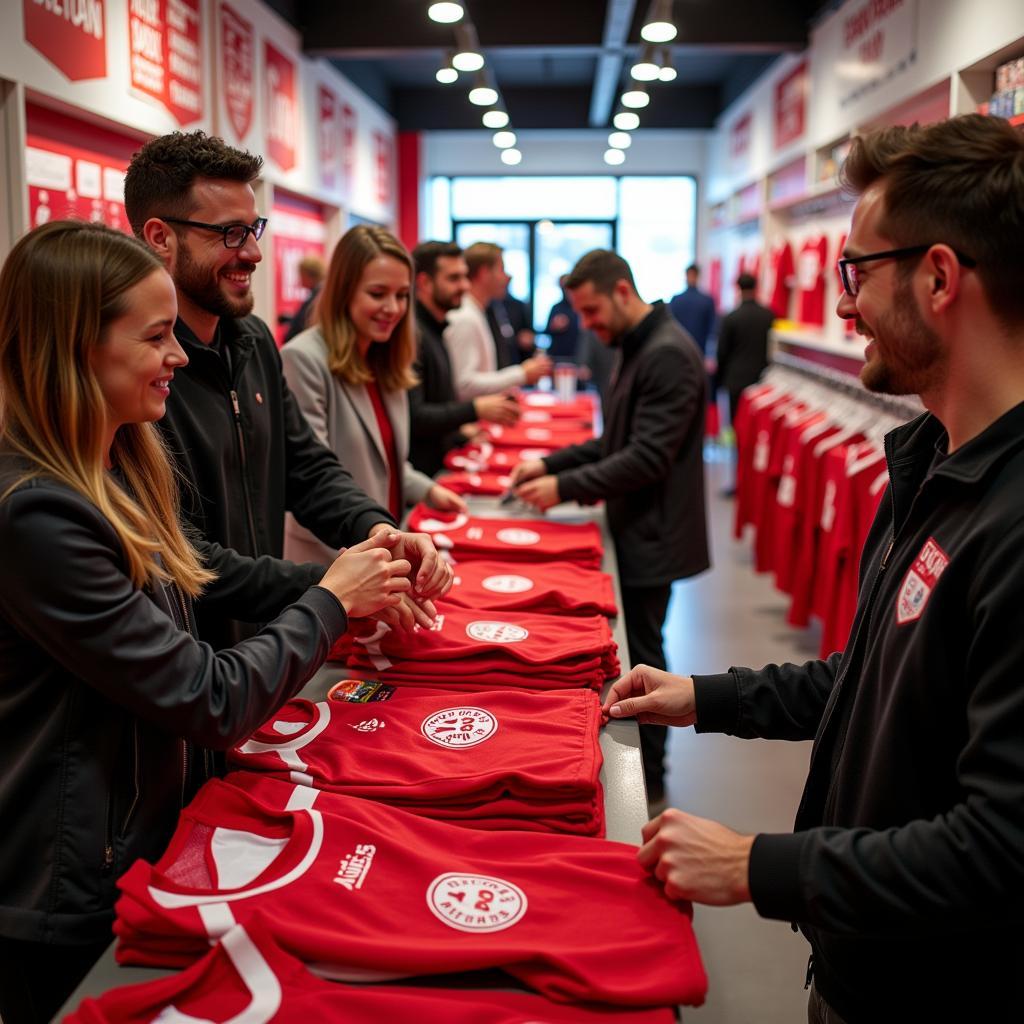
902,408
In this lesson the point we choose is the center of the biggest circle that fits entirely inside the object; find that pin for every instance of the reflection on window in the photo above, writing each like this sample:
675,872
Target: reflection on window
515,240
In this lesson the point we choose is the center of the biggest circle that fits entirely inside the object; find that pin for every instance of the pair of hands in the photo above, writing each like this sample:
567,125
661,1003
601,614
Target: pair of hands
502,408
694,858
392,575
534,485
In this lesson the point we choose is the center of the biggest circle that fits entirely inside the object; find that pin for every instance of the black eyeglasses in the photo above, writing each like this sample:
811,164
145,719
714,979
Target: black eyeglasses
234,235
848,267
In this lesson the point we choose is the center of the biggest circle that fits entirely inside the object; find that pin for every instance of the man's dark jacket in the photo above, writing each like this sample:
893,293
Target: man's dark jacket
906,867
435,414
109,709
249,455
743,345
648,464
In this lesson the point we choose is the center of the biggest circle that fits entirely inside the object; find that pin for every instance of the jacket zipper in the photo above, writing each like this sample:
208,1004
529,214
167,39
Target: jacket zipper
237,412
135,778
183,608
108,837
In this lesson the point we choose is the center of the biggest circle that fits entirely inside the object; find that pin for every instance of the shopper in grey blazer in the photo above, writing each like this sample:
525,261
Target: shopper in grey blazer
351,373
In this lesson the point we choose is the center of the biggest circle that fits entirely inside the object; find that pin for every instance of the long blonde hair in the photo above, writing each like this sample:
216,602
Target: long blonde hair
60,288
391,364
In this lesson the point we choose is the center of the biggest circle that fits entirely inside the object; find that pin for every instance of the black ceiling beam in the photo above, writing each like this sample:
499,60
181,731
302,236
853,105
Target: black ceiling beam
753,24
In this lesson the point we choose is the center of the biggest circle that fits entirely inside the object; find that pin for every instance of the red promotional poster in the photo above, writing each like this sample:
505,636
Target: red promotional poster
791,106
74,169
739,138
348,149
382,153
236,63
71,36
299,231
329,137
282,115
166,55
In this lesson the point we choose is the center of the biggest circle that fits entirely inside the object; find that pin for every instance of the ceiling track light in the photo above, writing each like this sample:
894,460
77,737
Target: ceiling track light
467,49
504,140
620,140
668,71
511,157
626,120
445,14
636,98
646,69
446,74
658,25
483,94
614,157
495,119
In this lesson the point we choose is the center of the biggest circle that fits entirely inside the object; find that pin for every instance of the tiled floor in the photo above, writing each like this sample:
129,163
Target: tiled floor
732,616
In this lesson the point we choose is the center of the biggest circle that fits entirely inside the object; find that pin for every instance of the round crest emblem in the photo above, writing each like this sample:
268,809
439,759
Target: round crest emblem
496,632
518,536
459,727
507,584
476,903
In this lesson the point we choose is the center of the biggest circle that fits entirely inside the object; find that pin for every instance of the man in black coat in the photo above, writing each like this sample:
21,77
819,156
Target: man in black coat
647,466
743,343
436,415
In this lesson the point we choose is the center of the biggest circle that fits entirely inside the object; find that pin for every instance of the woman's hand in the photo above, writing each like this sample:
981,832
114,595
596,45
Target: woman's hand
445,500
366,578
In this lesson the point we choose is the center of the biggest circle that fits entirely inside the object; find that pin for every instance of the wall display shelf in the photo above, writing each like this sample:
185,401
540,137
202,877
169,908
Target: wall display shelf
816,347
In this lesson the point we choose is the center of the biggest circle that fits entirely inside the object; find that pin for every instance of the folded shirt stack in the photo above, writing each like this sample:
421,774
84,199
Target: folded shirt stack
487,484
248,977
473,650
465,537
556,434
498,760
483,457
579,408
549,587
364,891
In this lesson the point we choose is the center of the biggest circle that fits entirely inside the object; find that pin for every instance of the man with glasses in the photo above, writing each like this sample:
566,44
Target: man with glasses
240,439
906,866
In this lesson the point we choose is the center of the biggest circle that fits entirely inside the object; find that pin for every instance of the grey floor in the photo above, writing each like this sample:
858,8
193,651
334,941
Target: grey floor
732,616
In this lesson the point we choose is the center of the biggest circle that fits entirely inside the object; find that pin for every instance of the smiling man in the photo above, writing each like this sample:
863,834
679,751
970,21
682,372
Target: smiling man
906,866
236,430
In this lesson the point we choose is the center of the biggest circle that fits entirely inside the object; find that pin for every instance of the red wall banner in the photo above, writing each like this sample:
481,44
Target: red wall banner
382,167
791,106
236,61
329,138
299,231
72,36
282,115
166,57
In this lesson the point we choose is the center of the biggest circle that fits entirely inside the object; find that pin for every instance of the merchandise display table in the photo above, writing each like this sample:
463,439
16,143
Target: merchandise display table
621,774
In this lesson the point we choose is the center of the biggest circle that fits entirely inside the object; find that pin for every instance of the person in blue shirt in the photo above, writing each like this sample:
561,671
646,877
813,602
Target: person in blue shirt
695,310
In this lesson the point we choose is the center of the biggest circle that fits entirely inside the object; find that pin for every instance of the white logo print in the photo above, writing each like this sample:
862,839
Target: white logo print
476,903
354,867
496,632
369,725
518,536
459,727
507,584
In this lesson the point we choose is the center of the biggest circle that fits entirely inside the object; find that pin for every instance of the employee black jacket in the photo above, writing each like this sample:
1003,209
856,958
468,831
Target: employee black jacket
906,867
109,706
249,455
648,464
435,414
742,352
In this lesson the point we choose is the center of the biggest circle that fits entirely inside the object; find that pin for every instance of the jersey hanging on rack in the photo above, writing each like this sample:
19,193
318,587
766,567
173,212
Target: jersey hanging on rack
248,979
549,587
780,270
810,276
366,891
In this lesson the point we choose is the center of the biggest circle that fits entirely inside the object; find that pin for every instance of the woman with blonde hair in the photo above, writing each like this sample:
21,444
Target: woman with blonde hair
109,706
351,374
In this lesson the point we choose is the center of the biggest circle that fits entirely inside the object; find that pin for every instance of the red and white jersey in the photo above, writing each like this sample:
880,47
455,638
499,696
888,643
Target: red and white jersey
483,457
366,891
548,587
248,979
489,484
434,751
780,271
810,277
467,537
556,434
579,408
556,418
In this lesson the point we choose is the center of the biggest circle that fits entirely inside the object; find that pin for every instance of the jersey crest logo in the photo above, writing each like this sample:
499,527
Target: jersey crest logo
510,584
920,581
476,903
459,727
496,632
518,536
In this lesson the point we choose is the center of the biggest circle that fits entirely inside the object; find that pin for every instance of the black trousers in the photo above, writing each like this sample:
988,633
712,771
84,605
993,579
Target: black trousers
36,978
644,610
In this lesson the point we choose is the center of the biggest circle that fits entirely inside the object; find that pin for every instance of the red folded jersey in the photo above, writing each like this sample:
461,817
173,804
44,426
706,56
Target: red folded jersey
483,457
432,754
556,417
556,434
490,484
367,891
549,587
581,407
481,678
248,977
509,540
